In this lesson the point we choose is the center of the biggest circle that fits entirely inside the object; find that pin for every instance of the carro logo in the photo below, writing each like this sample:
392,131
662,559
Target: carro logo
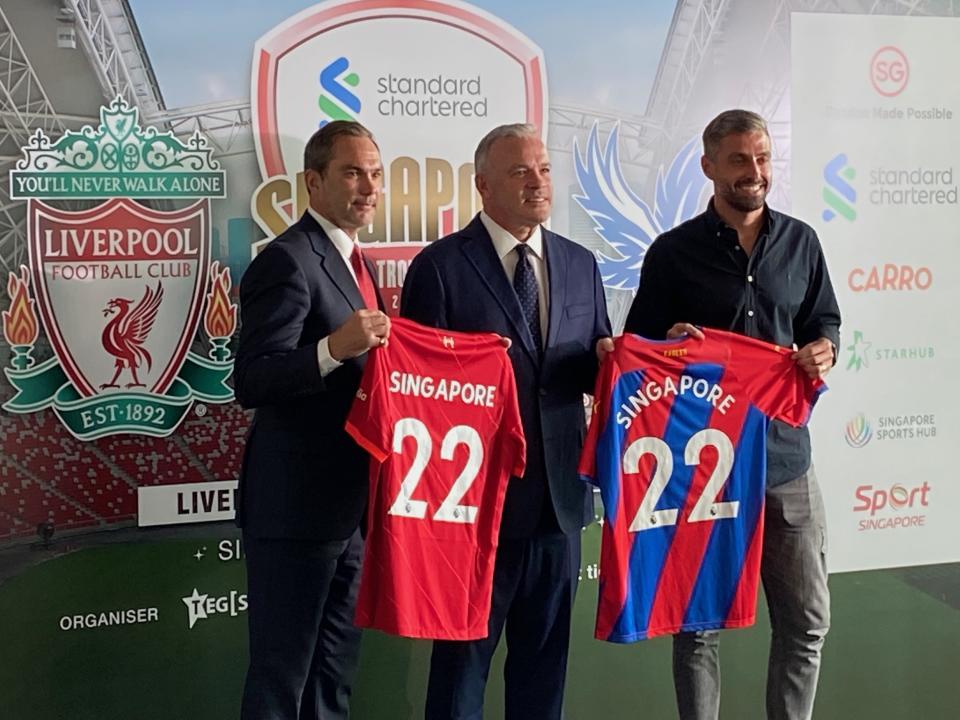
838,193
889,71
333,84
889,277
858,431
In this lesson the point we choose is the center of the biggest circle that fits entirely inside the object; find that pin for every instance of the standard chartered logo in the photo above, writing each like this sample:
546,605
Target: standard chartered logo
838,193
334,86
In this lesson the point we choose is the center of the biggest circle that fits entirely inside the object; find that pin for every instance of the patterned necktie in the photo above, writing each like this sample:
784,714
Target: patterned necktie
364,281
525,285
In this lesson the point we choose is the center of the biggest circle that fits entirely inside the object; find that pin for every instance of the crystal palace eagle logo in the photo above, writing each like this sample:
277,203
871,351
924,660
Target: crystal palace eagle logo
121,287
623,220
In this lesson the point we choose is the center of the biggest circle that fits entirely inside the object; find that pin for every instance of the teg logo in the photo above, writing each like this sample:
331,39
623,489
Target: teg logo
889,71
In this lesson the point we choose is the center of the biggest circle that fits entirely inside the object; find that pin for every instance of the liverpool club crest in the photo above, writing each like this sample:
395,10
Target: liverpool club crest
120,288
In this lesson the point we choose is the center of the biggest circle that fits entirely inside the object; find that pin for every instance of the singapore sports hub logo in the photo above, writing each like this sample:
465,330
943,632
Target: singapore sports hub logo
838,193
622,219
335,85
858,431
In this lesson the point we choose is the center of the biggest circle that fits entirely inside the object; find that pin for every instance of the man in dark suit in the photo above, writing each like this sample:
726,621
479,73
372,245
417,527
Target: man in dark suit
310,311
504,273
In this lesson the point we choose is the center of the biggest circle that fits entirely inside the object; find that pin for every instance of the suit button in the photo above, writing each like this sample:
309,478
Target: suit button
543,392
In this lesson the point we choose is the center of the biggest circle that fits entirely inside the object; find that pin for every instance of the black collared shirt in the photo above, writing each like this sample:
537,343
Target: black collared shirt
698,273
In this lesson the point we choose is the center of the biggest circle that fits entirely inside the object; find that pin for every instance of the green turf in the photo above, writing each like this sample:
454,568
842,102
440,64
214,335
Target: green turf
893,651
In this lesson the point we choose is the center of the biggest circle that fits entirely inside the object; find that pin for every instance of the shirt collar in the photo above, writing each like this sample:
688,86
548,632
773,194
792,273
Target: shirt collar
716,225
341,241
504,241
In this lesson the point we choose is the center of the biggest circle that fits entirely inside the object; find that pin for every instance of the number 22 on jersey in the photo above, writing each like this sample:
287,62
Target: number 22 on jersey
647,517
405,505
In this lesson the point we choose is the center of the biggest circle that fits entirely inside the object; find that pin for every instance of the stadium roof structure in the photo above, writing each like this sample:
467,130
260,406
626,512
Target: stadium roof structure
722,49
700,69
35,93
116,51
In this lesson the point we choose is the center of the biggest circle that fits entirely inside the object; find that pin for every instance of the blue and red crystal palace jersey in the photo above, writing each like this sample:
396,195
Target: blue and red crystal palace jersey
438,412
677,445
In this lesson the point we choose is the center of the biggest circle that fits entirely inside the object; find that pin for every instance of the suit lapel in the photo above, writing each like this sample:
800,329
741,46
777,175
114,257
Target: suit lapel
556,284
331,262
480,252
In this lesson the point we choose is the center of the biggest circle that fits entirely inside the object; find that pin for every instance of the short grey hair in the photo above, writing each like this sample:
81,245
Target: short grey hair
730,122
319,149
514,130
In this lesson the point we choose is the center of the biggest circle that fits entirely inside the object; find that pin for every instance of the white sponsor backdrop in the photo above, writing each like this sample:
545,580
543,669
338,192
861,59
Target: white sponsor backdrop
875,122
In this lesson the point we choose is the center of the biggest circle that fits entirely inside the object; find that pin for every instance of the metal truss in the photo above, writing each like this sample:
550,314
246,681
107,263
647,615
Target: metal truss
226,125
567,122
110,37
770,94
936,8
693,30
24,109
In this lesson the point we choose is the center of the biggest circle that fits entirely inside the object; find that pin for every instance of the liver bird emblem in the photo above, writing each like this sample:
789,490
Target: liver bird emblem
124,336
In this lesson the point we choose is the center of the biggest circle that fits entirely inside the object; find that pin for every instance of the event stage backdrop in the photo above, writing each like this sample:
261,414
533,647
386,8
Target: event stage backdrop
153,148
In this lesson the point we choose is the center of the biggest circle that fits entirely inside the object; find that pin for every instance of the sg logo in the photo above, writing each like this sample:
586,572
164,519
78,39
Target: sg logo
889,71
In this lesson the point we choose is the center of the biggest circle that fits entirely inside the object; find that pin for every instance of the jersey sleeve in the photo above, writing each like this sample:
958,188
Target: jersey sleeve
599,411
369,420
775,383
511,426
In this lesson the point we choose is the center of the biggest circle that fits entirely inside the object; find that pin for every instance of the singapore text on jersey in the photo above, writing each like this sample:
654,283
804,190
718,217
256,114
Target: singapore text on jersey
654,391
428,388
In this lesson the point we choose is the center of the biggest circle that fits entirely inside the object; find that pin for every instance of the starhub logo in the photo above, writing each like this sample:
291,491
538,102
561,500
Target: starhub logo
859,352
862,352
838,193
334,84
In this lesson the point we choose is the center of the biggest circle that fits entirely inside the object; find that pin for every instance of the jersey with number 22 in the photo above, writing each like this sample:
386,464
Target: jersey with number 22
438,412
677,445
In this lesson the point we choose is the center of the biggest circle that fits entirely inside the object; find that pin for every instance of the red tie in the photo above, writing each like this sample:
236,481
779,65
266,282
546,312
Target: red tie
364,281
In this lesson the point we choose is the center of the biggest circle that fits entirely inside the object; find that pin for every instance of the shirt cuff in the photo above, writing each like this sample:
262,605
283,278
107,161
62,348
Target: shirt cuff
325,361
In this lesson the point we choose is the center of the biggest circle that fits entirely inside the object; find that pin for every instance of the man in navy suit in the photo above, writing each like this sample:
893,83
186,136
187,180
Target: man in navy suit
310,311
505,273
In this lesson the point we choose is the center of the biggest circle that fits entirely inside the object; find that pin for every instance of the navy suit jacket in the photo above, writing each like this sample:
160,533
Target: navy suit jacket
302,477
459,283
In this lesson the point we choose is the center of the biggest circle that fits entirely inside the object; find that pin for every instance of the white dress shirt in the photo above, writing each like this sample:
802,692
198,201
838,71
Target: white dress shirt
505,243
344,245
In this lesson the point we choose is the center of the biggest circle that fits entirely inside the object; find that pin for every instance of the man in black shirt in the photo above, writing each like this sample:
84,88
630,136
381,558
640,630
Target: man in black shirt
743,267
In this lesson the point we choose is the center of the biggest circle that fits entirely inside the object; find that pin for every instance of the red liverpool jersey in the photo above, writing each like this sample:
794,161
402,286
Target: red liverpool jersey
438,412
677,445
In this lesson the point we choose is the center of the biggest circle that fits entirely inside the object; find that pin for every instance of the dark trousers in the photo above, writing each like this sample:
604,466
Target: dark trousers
534,583
794,573
304,646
